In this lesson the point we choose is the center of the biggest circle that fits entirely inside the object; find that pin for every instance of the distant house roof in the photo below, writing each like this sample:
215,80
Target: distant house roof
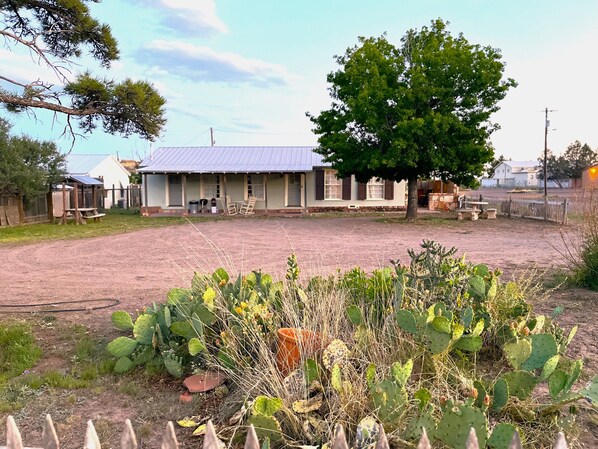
85,180
232,160
82,164
522,164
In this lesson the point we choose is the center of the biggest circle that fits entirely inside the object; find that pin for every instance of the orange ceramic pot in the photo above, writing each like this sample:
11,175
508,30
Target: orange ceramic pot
294,344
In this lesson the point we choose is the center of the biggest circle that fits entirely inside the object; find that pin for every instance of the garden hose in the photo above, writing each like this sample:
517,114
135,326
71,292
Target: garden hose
54,307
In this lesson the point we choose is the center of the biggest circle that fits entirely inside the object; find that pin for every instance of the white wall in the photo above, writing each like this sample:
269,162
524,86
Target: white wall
113,174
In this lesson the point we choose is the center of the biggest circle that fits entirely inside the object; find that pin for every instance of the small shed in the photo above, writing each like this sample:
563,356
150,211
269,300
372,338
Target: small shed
74,192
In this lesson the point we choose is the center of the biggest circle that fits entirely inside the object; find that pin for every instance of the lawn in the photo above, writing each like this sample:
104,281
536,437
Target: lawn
115,222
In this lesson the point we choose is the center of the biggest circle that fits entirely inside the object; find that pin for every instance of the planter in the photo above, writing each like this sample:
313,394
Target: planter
293,345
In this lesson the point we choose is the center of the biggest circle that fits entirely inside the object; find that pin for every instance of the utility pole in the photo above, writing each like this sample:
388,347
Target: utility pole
546,125
211,136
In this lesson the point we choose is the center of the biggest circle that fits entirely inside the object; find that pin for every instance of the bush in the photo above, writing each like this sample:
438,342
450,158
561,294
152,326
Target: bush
438,343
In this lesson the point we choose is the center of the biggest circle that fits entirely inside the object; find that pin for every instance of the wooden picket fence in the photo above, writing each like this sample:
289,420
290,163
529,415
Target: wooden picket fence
128,439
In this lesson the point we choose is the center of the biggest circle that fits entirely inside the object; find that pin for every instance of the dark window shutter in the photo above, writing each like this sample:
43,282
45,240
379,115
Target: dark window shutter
347,188
361,191
389,190
319,185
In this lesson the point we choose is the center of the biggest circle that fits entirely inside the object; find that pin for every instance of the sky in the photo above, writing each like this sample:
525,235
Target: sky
252,69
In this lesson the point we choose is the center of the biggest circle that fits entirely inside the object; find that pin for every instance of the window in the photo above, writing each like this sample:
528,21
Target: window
333,186
211,186
255,186
375,189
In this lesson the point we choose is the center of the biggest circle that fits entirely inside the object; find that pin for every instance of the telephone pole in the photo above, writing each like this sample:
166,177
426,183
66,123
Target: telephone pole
546,125
211,136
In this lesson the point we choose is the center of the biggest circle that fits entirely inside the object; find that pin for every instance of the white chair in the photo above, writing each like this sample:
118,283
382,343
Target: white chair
247,206
230,207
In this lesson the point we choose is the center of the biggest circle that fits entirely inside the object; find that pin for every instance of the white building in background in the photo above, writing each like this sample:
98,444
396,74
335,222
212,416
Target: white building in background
104,167
512,174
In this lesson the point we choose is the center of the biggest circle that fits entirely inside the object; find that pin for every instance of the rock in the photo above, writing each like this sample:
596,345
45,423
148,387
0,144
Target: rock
204,381
185,398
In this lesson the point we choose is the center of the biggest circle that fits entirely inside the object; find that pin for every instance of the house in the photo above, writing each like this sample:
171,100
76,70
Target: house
105,167
514,174
589,177
283,178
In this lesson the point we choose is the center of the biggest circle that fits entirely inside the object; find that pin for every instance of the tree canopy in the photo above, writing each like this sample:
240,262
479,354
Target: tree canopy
420,109
56,33
570,164
27,166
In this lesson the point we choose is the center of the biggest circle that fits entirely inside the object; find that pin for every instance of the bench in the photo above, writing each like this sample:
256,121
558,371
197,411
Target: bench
490,214
96,217
471,214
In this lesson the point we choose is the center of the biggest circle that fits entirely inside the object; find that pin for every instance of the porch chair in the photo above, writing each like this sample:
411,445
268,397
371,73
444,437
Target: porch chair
247,206
231,208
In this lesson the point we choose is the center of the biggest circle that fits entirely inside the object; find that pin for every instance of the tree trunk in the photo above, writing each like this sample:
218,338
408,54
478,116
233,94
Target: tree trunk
50,205
21,206
411,199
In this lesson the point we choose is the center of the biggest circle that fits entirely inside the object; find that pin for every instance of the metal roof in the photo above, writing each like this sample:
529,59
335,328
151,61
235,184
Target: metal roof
82,164
522,164
85,180
231,160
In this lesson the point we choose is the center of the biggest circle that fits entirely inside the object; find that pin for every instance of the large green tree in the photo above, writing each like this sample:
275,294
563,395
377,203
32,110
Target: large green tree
27,167
421,109
56,33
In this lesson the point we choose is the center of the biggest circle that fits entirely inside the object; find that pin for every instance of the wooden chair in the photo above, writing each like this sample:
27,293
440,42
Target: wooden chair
230,207
247,206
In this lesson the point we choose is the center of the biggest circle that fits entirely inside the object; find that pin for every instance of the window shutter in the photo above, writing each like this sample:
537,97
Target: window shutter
389,190
319,185
347,188
361,191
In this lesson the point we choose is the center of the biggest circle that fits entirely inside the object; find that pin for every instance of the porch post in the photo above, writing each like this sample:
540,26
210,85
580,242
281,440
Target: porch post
266,192
64,220
224,191
305,192
145,192
184,194
77,218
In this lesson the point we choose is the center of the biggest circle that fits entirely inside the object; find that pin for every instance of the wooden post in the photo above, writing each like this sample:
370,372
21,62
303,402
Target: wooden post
64,219
94,197
77,218
184,194
50,205
510,205
304,186
128,197
113,197
266,193
565,203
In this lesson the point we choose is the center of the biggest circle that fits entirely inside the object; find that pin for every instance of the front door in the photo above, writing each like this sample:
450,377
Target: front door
175,190
294,190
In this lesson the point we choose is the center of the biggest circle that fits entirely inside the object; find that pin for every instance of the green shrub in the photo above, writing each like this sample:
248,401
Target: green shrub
19,351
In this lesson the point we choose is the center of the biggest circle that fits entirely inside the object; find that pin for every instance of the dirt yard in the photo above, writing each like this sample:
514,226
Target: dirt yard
140,267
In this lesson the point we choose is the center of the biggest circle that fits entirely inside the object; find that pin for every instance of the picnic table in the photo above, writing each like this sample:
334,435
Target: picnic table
82,214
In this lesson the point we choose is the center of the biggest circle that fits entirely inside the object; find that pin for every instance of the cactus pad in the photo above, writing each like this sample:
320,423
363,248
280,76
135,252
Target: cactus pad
406,321
543,347
521,383
500,395
517,352
501,436
121,347
453,428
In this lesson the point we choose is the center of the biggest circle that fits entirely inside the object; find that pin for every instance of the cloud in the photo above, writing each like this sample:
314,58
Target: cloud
202,64
196,16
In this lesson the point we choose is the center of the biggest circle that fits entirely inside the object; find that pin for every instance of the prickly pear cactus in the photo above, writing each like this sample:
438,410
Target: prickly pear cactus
266,427
517,352
543,348
406,321
521,384
121,347
436,342
502,435
389,400
500,395
453,428
367,433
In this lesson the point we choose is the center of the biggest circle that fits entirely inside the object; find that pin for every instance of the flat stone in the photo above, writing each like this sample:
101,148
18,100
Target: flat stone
204,381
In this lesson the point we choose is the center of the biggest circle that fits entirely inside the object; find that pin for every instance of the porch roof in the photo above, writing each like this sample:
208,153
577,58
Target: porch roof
281,159
84,180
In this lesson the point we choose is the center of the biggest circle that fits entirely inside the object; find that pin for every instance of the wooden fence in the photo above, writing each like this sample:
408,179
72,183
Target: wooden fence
128,439
555,211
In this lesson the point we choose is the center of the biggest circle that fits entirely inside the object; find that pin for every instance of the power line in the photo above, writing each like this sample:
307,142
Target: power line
198,136
224,130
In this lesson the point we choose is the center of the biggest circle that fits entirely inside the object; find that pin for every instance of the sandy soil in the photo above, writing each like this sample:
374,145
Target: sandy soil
140,267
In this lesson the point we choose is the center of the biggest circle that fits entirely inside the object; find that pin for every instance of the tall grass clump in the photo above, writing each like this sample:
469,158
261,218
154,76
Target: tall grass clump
436,343
580,248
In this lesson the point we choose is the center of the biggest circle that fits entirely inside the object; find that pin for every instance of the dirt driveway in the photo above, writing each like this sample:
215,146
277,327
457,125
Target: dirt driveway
139,267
